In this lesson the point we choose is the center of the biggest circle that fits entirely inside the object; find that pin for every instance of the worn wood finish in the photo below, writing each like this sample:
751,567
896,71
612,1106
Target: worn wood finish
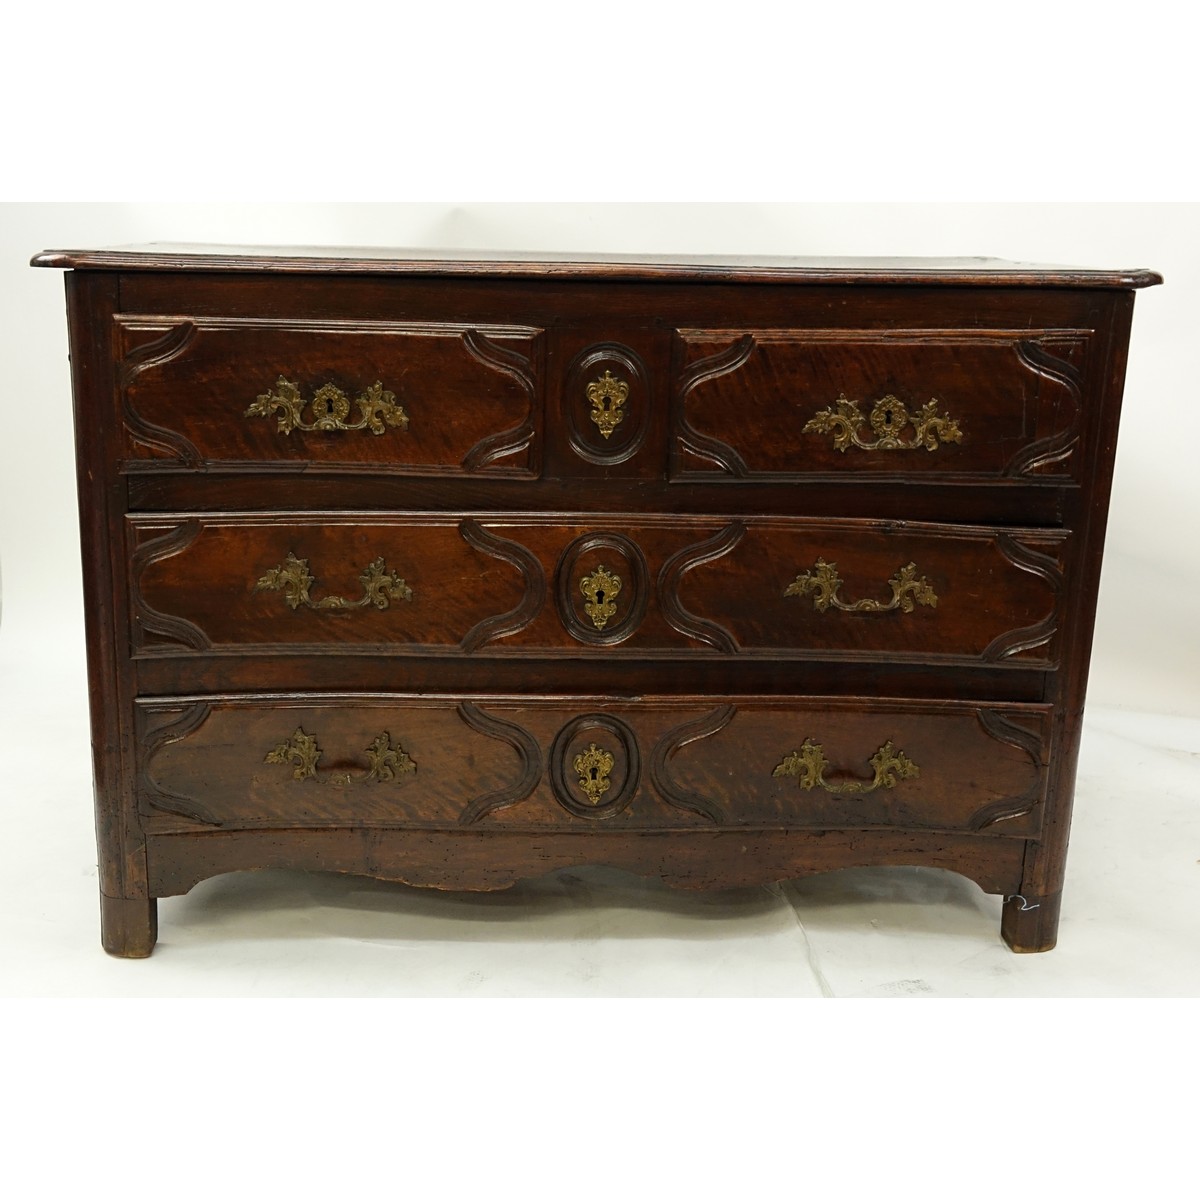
509,762
470,860
460,399
490,585
175,256
454,713
1005,402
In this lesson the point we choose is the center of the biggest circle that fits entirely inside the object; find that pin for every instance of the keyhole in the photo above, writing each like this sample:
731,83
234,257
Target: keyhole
600,595
594,772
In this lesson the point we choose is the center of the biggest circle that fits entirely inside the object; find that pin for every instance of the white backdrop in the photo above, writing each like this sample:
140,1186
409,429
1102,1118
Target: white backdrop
1130,905
1147,652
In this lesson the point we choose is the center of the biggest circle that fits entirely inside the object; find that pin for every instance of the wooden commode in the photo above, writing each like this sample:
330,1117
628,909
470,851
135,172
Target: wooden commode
456,569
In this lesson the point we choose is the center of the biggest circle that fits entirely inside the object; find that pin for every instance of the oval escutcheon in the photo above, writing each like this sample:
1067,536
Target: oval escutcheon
595,766
606,404
602,588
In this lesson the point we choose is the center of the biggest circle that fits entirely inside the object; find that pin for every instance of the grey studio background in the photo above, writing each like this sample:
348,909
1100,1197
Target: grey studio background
1131,909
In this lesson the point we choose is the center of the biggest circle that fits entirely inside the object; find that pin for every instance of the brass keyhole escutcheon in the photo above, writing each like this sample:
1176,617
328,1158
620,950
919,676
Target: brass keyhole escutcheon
593,767
607,396
600,590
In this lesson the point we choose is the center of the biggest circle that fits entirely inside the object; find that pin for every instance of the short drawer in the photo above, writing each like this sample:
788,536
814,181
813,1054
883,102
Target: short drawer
659,587
281,395
585,763
922,404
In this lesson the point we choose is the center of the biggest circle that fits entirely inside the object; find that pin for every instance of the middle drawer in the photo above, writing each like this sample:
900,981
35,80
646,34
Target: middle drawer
662,587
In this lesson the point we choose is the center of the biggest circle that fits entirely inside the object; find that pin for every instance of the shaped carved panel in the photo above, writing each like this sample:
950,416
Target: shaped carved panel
328,582
572,763
606,404
427,584
421,399
930,404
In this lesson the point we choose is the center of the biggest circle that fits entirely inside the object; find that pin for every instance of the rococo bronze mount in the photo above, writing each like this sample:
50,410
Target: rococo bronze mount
461,569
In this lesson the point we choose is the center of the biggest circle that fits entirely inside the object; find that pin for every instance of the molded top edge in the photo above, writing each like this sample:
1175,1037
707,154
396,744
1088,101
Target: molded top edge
166,256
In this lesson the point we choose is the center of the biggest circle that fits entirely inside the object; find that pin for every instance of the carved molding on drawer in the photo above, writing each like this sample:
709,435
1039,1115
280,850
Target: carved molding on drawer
905,418
526,562
1059,447
581,776
706,369
176,341
1018,641
670,744
172,728
314,402
673,571
147,620
519,368
605,404
528,751
1005,730
623,568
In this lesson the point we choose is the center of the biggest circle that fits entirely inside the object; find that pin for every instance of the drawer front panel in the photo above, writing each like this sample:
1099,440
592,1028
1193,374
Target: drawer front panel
421,399
921,404
584,763
848,590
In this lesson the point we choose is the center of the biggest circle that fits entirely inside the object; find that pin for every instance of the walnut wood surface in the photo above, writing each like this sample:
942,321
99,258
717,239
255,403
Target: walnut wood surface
745,397
470,395
980,768
468,860
542,264
494,585
492,678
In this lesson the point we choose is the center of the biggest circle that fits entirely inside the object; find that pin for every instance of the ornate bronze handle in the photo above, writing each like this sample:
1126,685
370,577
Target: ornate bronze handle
825,583
377,409
386,763
607,396
593,767
293,578
889,419
808,765
601,588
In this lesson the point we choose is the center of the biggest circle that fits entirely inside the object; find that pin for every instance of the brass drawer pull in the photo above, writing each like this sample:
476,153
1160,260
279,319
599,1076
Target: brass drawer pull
293,578
825,583
601,589
593,767
330,408
386,763
889,418
607,396
808,765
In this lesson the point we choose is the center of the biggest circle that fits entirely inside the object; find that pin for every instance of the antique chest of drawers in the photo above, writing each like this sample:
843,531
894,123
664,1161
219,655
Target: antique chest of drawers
460,569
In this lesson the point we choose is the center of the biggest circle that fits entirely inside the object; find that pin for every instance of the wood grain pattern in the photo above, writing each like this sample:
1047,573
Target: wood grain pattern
744,400
471,395
997,599
445,737
989,272
980,769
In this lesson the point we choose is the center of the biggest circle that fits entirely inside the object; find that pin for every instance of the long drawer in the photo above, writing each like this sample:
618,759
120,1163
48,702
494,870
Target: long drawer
574,763
636,586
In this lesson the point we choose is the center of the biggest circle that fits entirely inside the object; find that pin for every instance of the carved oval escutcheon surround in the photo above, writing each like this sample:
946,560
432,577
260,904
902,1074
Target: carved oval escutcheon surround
612,368
594,558
595,766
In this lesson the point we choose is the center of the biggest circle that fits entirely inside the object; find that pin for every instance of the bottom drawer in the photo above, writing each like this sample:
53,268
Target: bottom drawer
586,763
